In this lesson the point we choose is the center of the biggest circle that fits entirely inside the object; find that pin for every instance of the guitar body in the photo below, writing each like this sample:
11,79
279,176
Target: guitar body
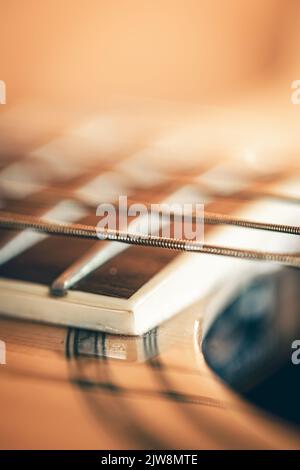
129,354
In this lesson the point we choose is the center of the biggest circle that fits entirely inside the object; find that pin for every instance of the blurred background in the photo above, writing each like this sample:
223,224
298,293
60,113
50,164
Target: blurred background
204,51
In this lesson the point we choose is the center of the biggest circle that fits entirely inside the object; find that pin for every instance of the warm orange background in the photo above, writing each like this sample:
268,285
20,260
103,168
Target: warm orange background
200,50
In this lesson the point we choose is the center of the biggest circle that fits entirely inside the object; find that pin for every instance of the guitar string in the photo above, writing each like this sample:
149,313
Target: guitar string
208,217
13,221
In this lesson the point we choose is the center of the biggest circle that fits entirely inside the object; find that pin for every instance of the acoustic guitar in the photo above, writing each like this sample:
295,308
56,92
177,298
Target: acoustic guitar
136,340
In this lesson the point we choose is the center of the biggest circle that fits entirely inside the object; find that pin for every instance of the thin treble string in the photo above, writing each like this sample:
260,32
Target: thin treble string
208,217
